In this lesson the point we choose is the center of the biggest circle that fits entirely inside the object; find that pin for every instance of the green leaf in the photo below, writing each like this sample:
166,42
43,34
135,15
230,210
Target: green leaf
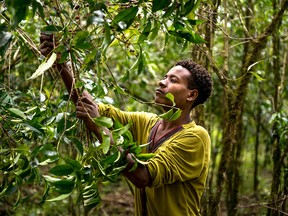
188,7
126,15
188,35
17,112
105,143
61,197
64,186
103,121
170,96
175,115
258,77
61,170
111,159
167,115
145,32
145,156
44,66
160,4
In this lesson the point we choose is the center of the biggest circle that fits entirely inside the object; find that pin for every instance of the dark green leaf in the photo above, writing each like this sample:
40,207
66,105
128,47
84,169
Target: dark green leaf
160,4
62,170
126,15
64,186
188,7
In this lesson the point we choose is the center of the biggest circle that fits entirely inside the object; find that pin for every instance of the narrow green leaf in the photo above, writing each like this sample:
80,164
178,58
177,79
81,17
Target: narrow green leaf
17,112
44,66
145,156
258,77
61,170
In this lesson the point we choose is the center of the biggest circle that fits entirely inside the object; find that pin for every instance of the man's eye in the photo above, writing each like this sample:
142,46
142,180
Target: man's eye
173,80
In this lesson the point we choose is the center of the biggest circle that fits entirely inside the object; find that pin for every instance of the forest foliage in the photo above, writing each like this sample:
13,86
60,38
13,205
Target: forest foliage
118,50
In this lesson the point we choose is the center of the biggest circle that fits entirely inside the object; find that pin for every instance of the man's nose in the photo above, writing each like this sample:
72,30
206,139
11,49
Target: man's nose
162,83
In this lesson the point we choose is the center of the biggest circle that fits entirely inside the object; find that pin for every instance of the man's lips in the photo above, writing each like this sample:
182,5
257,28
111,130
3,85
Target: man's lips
159,91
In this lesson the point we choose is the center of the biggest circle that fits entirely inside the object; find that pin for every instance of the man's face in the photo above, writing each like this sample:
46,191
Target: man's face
176,83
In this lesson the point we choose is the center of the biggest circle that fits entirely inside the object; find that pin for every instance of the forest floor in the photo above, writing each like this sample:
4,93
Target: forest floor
118,201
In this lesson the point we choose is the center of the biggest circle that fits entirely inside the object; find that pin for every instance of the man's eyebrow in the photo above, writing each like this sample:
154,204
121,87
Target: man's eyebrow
173,75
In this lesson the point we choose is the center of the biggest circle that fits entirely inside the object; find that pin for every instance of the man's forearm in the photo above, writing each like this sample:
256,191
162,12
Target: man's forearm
69,81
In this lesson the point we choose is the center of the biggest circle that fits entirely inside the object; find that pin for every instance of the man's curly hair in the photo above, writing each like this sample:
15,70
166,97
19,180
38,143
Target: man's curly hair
199,79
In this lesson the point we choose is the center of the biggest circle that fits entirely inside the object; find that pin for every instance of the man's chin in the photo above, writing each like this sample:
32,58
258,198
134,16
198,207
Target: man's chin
163,102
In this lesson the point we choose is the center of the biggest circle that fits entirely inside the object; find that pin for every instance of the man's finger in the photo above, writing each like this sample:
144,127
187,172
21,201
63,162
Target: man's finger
46,51
45,37
86,100
46,44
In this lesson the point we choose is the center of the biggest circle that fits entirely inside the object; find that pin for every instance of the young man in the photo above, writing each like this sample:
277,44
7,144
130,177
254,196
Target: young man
173,181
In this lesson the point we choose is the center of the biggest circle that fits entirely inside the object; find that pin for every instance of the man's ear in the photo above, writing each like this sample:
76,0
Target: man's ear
193,94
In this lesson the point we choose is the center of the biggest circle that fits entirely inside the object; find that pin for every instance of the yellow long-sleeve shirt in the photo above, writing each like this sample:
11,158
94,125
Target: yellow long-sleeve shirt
178,170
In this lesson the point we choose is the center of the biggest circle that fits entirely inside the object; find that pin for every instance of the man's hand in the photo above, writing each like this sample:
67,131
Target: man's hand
86,108
46,44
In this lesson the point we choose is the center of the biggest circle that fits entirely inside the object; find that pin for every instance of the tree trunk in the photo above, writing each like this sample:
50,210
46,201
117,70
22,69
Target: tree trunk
235,104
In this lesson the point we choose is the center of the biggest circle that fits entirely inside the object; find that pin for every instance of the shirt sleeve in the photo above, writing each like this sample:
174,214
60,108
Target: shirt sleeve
141,122
181,159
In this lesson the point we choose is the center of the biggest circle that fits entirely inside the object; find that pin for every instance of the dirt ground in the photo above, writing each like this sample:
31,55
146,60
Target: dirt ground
117,200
